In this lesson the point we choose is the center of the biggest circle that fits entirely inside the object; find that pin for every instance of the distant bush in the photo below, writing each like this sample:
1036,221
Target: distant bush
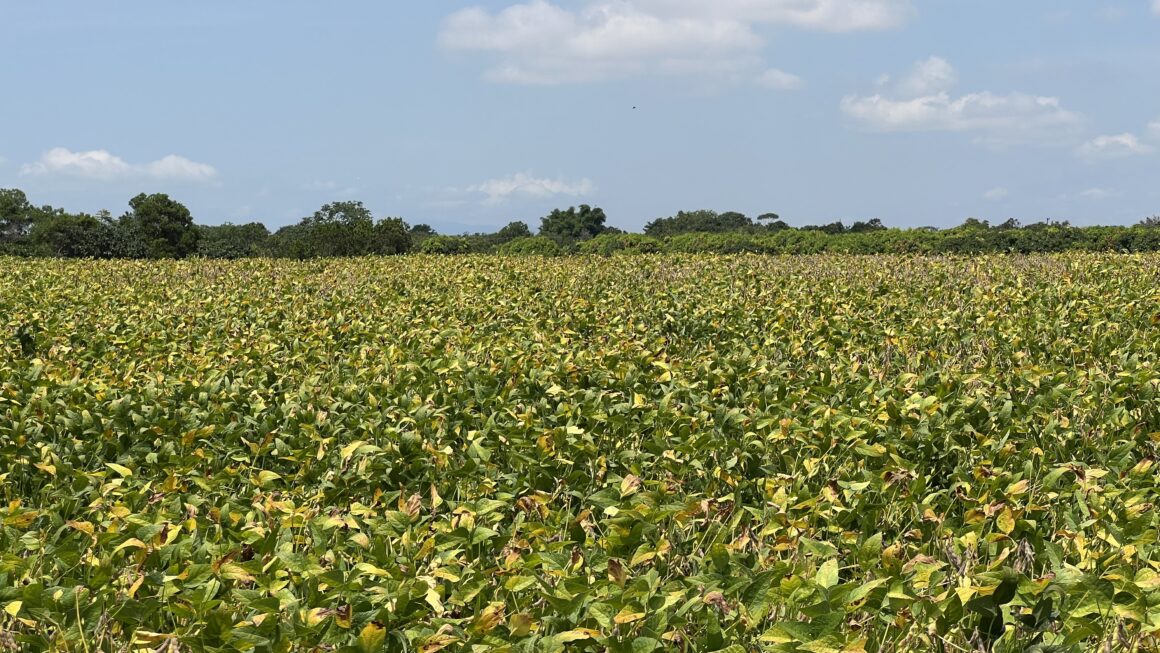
530,246
621,243
231,241
717,243
445,245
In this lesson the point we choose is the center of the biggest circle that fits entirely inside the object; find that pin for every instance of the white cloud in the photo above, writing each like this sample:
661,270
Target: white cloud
538,42
178,167
100,165
933,75
779,80
1154,127
1098,193
822,15
1156,6
524,184
1114,147
922,102
996,194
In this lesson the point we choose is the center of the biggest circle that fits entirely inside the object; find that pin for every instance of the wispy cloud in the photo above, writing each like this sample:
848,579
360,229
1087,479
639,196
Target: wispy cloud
540,42
525,185
921,101
996,194
779,80
100,165
1114,147
1095,194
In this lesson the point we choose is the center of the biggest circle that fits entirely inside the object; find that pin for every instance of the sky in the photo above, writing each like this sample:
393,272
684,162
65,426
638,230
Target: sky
469,114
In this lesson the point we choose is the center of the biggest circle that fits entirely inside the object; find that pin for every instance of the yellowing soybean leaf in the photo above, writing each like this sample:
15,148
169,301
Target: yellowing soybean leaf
120,469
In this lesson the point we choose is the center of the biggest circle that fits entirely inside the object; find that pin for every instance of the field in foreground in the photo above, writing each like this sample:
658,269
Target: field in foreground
625,454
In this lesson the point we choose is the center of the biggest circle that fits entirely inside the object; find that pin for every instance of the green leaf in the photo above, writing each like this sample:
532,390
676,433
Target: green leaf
827,575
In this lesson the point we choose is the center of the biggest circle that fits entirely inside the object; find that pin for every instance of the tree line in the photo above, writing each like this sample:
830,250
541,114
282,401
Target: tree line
157,226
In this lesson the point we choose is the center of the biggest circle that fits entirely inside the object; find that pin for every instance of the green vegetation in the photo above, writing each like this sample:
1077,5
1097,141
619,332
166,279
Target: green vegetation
159,227
657,452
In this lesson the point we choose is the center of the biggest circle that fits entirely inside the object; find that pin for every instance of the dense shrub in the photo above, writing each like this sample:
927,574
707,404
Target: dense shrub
621,243
530,246
445,245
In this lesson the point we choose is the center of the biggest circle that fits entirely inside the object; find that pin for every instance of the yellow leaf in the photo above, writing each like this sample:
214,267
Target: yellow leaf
1015,489
82,526
1006,521
131,543
521,624
315,616
437,643
372,637
629,485
349,449
148,637
627,616
120,469
231,571
491,617
577,635
13,608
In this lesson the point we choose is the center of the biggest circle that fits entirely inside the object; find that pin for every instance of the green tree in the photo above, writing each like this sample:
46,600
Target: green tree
512,231
445,245
863,227
573,225
832,228
342,229
701,221
975,223
392,236
420,233
231,241
163,225
772,222
74,236
16,216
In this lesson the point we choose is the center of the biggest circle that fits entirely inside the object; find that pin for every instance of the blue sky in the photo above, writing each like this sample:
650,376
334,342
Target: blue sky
466,115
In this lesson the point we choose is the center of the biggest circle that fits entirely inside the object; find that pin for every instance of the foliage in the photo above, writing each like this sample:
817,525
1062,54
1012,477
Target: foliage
568,227
419,233
164,226
445,245
161,228
530,246
16,216
607,244
832,228
342,229
699,221
863,227
513,230
65,235
232,241
493,454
